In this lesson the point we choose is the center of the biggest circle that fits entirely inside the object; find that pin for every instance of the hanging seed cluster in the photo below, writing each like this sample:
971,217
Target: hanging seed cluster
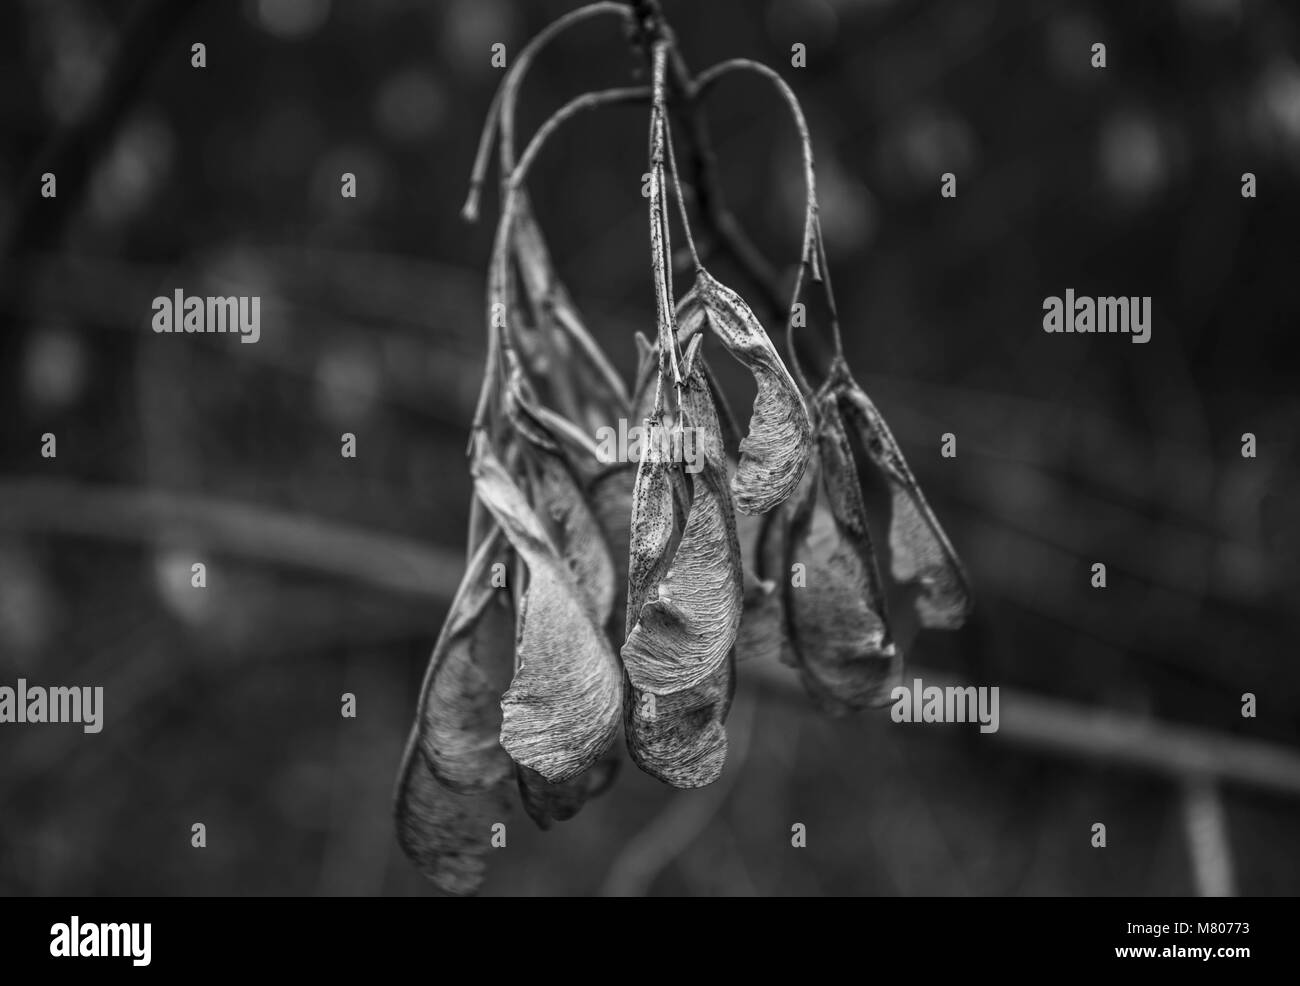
617,601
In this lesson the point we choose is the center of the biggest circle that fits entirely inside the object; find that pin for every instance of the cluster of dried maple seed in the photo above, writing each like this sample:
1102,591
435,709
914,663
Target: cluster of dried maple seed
527,687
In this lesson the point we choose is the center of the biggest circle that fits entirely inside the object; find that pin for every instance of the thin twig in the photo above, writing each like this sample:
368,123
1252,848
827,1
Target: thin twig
677,189
501,114
499,344
469,211
812,252
705,80
578,104
711,203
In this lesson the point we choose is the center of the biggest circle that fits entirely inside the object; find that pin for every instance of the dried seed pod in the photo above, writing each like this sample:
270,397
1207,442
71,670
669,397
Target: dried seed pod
837,620
546,802
774,454
689,326
561,712
453,782
557,494
920,552
684,631
574,529
459,719
678,734
680,738
445,833
687,621
577,533
576,365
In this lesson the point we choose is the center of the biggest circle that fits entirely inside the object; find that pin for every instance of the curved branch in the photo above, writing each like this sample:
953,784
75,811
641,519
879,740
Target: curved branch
587,101
812,253
502,110
706,79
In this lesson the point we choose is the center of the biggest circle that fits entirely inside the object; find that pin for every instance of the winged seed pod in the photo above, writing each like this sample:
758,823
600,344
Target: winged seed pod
561,712
547,802
774,453
577,533
919,551
526,689
762,619
684,620
687,622
680,738
575,366
459,719
572,527
678,656
445,833
453,783
558,497
837,622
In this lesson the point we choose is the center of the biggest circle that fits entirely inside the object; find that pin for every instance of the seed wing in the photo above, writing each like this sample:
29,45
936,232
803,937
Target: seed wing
459,720
775,452
920,551
838,623
445,833
561,712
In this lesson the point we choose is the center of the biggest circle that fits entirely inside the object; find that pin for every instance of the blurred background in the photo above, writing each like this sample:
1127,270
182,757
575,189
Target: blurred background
327,575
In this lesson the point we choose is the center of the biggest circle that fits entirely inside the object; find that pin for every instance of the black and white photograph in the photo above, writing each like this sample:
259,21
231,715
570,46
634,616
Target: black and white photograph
650,448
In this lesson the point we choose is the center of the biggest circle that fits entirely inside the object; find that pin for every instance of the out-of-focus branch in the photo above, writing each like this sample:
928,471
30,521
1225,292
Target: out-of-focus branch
1208,843
118,513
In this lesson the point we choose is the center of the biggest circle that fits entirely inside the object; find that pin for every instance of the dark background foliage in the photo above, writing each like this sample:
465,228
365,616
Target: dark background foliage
222,705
